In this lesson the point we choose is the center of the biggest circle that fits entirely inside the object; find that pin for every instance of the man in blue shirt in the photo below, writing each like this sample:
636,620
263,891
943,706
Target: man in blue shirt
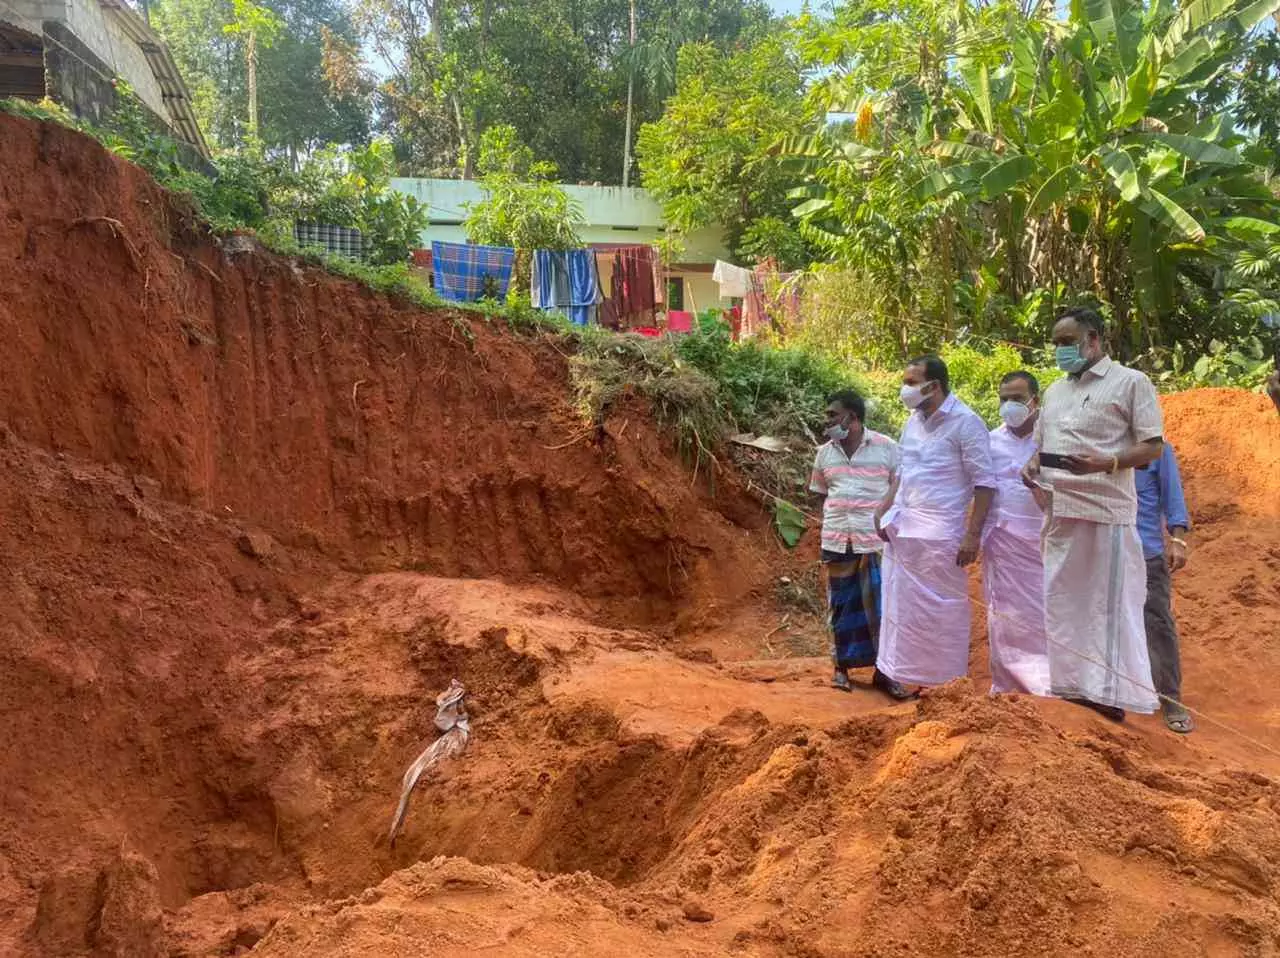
1161,506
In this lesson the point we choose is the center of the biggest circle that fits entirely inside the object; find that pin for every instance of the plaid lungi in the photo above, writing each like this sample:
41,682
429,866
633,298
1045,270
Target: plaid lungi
465,273
853,594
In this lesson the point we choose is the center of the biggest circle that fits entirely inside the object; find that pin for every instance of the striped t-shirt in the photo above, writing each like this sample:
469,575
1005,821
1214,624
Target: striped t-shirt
855,487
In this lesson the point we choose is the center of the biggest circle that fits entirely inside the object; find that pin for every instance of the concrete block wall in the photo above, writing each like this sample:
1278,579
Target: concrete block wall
30,15
100,32
113,51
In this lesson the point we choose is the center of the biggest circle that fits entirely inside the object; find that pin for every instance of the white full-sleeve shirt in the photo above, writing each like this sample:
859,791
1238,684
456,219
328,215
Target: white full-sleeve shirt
1013,509
944,457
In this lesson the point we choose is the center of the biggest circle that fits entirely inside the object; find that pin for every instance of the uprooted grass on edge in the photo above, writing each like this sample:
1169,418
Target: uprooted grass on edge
606,368
705,388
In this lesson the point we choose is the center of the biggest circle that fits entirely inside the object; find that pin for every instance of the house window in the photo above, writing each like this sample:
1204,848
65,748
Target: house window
675,293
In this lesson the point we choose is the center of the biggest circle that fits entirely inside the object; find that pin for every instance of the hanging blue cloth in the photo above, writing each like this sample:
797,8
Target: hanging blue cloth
568,283
468,273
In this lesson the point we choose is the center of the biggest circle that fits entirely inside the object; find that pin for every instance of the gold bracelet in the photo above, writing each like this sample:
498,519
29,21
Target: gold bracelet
1181,542
1115,464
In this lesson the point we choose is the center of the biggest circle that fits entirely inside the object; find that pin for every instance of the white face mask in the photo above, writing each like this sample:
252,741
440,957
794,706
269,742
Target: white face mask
1014,413
912,396
838,432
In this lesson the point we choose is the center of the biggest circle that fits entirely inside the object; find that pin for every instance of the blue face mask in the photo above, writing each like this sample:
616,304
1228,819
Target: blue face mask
1069,358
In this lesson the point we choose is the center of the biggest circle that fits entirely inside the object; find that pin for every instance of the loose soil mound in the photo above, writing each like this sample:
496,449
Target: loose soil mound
254,518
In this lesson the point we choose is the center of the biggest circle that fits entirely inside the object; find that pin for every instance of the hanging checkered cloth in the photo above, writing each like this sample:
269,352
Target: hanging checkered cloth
465,274
335,240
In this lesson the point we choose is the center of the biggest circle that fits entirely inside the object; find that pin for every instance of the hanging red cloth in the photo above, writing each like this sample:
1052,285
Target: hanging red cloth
631,289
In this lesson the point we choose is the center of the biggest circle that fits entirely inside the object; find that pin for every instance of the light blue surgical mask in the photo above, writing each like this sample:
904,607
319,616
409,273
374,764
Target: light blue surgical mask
838,433
1069,358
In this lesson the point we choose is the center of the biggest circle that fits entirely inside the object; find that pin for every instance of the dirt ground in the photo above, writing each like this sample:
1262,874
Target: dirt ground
253,518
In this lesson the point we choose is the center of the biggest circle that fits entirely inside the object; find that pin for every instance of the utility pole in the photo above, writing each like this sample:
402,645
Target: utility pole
631,85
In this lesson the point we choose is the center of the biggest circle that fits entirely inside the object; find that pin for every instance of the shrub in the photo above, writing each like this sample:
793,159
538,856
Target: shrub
523,207
976,375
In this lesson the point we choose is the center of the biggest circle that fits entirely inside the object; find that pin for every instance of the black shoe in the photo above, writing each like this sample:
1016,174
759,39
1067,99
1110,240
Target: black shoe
895,690
1111,712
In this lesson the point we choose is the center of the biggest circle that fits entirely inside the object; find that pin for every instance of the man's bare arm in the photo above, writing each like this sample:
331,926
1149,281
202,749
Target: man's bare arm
884,506
982,497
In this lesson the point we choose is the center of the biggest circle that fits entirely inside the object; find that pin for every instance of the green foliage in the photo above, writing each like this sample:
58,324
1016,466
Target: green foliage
246,191
44,111
1255,85
772,237
235,197
301,105
773,391
706,388
789,521
607,368
352,188
976,374
522,207
707,160
1244,363
849,316
252,19
1001,164
391,222
555,70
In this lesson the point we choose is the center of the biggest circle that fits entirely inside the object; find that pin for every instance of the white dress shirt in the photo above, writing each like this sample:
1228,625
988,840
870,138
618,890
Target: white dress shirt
1013,509
944,457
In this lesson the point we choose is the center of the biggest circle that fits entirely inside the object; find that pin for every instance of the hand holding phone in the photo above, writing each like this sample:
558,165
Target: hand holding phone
1080,465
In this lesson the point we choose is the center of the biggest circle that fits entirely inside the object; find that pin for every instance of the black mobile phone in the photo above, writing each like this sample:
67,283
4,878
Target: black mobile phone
1052,460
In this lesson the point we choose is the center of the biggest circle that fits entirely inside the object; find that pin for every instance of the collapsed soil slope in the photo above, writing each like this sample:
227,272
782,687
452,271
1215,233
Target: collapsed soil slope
191,438
327,415
252,518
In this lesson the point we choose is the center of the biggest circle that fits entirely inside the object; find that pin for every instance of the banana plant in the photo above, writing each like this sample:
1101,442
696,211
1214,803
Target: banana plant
1080,150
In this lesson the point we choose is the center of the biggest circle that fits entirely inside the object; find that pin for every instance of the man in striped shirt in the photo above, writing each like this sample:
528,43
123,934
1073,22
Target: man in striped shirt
853,471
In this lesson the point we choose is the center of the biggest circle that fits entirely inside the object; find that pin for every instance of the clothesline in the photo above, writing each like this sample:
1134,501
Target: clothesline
566,282
769,297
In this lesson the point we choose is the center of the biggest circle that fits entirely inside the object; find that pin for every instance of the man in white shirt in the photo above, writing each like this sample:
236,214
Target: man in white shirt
1012,569
932,533
1095,427
852,473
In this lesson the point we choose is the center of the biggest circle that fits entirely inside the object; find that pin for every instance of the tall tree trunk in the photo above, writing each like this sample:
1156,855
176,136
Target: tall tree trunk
464,144
251,53
631,85
948,285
